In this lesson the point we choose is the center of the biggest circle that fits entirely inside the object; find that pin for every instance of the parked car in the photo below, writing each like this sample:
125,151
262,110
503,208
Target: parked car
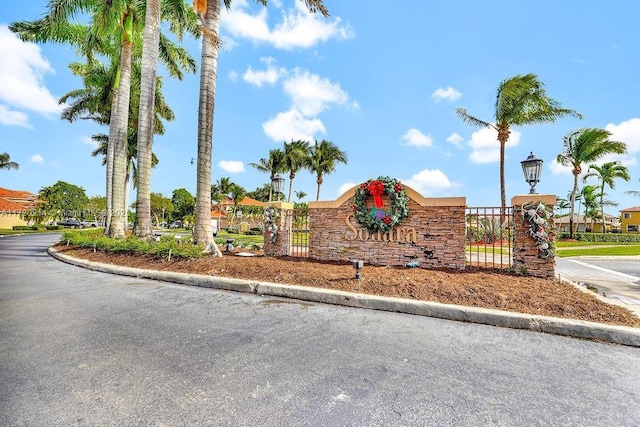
175,224
70,223
89,224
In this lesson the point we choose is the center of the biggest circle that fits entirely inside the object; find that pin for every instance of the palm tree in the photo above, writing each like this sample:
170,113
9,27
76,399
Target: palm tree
520,100
301,194
585,145
209,13
109,21
607,173
273,166
6,163
323,159
182,18
562,204
296,157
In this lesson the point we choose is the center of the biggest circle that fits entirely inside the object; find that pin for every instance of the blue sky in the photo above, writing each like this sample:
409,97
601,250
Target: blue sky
381,83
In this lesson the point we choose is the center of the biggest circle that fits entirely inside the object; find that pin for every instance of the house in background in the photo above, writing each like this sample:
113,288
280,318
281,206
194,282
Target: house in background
13,204
582,224
223,213
630,220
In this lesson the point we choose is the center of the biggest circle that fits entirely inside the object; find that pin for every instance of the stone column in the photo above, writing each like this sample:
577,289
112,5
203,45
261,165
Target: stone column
280,246
528,257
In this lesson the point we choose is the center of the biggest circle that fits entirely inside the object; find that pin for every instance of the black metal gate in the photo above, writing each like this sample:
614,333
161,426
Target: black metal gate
299,243
489,237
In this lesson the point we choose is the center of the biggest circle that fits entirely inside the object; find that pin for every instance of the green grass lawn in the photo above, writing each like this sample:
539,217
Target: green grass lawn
609,250
9,231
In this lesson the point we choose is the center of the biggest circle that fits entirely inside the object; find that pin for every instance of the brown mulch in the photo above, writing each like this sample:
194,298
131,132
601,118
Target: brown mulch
494,290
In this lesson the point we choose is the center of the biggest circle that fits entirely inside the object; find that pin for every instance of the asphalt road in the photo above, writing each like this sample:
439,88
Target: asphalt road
621,264
85,348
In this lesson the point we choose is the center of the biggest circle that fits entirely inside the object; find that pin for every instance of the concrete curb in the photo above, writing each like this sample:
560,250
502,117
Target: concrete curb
558,326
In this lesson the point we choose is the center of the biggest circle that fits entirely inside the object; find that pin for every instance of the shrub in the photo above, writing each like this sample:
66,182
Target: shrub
25,227
53,227
600,237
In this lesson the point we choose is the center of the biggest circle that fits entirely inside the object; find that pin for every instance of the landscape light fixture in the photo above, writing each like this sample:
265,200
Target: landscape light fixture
357,266
277,183
230,244
532,168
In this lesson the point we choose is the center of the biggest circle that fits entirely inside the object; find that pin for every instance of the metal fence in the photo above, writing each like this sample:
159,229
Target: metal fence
299,244
489,237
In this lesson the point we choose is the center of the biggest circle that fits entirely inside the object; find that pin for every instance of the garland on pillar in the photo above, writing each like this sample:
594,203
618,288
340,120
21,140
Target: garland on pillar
535,213
270,218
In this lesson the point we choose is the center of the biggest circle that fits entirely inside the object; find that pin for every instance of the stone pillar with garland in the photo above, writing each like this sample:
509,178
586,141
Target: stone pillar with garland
277,228
534,235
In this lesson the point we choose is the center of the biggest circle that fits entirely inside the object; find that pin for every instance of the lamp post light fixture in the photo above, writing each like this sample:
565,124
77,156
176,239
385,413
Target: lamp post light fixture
277,183
357,266
532,168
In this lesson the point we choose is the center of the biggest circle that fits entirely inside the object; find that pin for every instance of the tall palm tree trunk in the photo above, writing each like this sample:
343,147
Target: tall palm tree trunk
111,149
150,52
206,104
118,137
573,204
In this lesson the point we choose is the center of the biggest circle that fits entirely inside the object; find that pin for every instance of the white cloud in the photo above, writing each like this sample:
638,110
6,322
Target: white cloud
231,166
456,140
270,75
429,182
627,132
90,142
311,94
37,158
21,82
292,125
415,138
13,118
346,187
557,169
449,94
485,145
297,29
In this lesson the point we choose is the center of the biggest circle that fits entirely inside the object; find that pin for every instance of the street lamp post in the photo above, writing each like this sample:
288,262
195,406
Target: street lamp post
277,184
532,168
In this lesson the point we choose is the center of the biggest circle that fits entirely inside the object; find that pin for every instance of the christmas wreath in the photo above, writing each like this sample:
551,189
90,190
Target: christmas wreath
376,218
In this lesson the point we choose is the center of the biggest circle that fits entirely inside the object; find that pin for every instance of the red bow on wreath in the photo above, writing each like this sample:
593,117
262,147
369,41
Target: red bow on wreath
376,188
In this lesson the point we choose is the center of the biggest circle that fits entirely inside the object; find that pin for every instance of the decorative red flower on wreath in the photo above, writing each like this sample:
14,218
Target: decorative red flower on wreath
377,219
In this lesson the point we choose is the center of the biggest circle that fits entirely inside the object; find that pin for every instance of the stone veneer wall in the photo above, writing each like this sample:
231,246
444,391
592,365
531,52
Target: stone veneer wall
433,235
526,255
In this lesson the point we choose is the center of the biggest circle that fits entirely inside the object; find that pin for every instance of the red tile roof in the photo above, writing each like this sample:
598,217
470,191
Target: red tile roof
631,209
13,207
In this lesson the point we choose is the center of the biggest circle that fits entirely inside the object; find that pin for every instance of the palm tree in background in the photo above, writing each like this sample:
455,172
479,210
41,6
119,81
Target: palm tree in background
296,157
520,100
584,146
6,163
607,173
323,159
589,196
562,204
273,165
209,13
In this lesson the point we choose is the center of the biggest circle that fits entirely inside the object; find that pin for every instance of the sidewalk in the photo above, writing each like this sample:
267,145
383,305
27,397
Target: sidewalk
617,288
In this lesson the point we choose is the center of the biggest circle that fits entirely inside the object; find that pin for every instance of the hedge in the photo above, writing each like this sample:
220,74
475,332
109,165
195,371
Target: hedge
600,237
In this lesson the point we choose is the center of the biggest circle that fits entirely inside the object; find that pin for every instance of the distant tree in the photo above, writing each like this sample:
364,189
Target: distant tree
520,100
6,163
301,194
582,146
63,200
562,204
96,208
261,193
237,193
607,173
272,165
183,203
296,157
161,207
323,160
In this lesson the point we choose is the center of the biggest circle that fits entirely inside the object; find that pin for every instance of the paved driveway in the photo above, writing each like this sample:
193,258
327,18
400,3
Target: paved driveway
85,348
